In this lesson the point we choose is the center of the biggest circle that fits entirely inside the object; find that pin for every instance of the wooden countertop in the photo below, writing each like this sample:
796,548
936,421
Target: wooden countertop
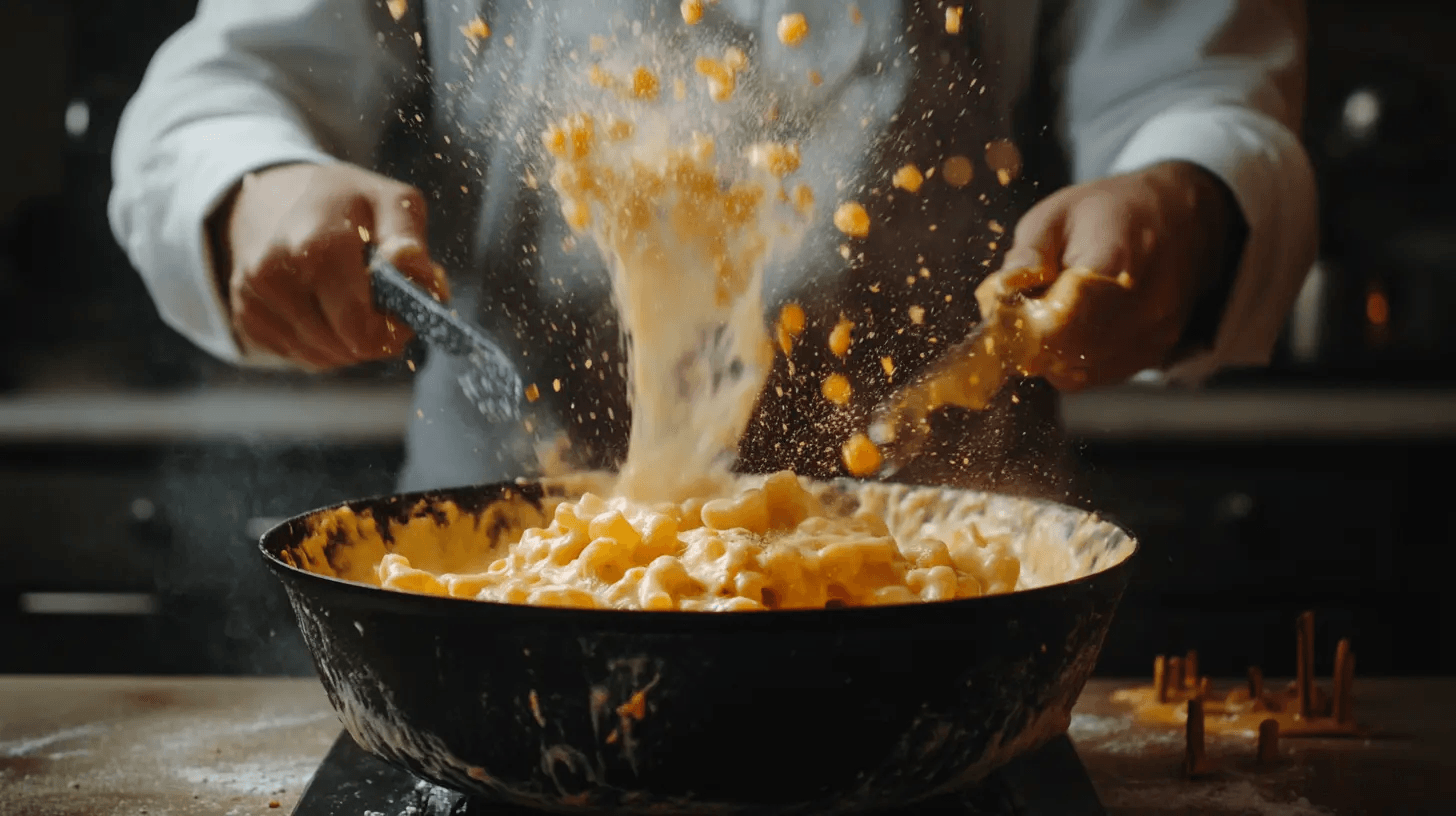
181,746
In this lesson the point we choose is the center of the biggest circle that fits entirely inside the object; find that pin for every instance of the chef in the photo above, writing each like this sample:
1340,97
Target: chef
1149,149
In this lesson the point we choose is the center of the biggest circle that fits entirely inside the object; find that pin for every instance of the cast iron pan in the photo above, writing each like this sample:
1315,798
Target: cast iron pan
782,712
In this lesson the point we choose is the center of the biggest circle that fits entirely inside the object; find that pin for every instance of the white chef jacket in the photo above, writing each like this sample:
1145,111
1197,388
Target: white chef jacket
245,85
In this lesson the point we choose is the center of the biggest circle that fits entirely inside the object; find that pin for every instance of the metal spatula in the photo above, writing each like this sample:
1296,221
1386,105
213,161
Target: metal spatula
490,382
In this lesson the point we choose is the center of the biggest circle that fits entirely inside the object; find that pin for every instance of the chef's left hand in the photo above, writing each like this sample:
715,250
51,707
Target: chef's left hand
1114,267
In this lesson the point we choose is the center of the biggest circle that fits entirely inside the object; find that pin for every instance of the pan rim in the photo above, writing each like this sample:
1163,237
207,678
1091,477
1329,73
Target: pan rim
447,606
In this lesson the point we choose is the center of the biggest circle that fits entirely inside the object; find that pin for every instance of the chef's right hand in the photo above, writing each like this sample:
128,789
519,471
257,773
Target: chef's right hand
290,257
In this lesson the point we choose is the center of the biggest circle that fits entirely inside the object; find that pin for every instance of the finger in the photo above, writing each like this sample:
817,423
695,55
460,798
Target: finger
400,231
342,292
1034,259
287,291
1099,239
261,327
1090,331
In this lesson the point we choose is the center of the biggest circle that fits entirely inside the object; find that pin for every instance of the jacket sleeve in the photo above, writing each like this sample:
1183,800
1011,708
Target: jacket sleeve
243,86
1220,84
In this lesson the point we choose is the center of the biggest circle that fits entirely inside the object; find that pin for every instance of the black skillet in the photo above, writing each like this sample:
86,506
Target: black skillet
782,712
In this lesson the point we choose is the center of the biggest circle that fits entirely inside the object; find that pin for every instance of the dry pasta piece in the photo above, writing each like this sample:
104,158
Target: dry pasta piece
852,220
861,457
792,29
908,178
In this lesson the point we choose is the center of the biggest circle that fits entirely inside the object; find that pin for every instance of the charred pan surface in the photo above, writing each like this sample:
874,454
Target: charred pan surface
795,712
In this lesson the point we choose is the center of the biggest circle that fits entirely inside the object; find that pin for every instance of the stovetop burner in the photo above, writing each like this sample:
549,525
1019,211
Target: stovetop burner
352,782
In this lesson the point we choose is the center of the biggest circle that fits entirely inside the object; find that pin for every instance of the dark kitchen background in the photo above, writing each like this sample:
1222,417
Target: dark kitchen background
135,471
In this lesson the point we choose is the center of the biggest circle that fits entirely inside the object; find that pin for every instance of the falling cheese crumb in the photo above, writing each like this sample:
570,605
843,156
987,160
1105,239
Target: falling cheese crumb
852,220
908,178
475,30
780,160
855,16
888,364
836,389
791,317
363,233
532,393
692,11
860,456
793,28
644,83
917,315
721,81
556,385
815,78
957,171
397,8
841,336
953,19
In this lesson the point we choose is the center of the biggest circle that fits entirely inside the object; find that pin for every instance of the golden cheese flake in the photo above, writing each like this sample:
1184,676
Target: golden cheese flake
803,199
888,364
908,178
793,28
841,336
844,253
815,78
679,90
598,77
953,19
397,8
836,389
556,385
721,81
957,171
778,159
996,227
363,233
855,16
852,220
532,393
692,11
792,318
598,44
860,456
786,340
475,30
644,83
917,315
1004,158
